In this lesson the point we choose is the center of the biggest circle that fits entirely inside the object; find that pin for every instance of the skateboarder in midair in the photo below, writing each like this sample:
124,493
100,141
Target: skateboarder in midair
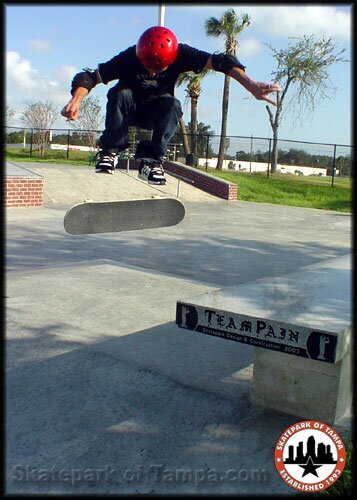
144,96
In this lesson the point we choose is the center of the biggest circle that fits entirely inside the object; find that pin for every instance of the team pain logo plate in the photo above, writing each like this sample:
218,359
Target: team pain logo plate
310,456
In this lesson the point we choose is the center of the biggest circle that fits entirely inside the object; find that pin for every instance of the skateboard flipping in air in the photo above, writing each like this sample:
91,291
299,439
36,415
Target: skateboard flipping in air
117,216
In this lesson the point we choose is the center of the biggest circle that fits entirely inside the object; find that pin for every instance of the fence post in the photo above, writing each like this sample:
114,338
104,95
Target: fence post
31,142
333,164
68,142
207,147
250,155
269,158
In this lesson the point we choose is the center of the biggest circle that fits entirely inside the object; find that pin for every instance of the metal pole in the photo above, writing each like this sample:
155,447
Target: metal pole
250,156
68,143
31,142
161,14
333,164
269,158
207,146
178,188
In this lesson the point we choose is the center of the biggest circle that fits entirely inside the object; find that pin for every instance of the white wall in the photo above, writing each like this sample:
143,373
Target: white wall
246,166
72,148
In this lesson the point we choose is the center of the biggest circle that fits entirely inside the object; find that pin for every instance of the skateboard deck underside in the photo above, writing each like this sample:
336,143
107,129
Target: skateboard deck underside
117,216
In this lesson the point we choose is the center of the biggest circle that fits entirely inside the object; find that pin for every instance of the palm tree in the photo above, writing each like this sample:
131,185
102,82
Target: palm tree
193,90
228,26
204,132
186,147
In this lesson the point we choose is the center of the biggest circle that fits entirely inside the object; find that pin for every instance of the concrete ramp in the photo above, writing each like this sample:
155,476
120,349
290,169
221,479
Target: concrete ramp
66,185
100,378
105,394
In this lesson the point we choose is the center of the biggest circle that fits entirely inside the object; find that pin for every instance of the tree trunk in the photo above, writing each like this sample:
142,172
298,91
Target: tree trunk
194,104
274,122
274,155
186,147
222,143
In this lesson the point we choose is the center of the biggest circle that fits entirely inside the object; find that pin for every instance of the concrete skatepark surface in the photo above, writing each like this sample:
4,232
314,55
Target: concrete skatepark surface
104,393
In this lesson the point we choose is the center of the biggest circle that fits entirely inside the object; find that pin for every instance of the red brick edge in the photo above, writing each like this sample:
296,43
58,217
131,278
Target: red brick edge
23,192
201,180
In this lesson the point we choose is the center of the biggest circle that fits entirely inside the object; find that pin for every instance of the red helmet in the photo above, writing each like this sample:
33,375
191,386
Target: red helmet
157,48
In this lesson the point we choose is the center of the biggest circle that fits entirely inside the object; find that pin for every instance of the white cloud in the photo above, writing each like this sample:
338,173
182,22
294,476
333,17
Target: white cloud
286,21
19,73
26,84
290,20
66,73
248,48
39,46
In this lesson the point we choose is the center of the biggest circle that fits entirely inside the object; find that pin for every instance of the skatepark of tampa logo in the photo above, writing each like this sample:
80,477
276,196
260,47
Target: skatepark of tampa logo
310,456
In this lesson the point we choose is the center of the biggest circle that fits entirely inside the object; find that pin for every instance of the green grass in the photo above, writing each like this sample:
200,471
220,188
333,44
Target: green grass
51,156
297,191
284,189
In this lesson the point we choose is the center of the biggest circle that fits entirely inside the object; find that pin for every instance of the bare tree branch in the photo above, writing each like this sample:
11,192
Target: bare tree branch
10,113
302,69
89,121
41,117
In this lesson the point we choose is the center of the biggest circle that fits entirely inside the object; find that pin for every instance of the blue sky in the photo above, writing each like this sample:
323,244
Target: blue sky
46,44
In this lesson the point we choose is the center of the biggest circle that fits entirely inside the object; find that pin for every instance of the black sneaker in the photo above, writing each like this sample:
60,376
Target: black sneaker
152,172
106,162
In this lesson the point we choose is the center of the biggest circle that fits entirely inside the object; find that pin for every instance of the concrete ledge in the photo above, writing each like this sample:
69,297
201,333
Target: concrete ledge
305,387
306,314
201,180
13,170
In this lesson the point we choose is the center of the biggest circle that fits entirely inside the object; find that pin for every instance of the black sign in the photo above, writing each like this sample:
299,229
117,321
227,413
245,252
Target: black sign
259,332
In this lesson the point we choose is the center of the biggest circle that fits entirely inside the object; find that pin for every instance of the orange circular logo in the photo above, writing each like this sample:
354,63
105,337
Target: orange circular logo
310,456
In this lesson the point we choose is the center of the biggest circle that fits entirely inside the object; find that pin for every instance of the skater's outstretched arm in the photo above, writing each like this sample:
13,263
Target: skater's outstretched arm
259,90
81,86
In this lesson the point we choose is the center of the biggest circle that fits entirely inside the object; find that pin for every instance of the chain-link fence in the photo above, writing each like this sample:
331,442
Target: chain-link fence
254,154
245,154
54,143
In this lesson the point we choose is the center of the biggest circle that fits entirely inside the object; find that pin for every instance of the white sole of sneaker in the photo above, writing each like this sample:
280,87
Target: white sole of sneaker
144,177
111,172
158,183
154,183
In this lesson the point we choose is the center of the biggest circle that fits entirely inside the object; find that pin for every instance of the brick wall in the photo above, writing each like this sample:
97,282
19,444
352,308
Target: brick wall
23,191
201,180
209,183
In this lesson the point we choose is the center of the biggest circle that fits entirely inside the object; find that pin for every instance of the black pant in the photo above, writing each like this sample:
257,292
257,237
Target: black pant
160,114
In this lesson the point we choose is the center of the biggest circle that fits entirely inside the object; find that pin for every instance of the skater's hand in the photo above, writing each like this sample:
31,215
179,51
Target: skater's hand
71,110
261,90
